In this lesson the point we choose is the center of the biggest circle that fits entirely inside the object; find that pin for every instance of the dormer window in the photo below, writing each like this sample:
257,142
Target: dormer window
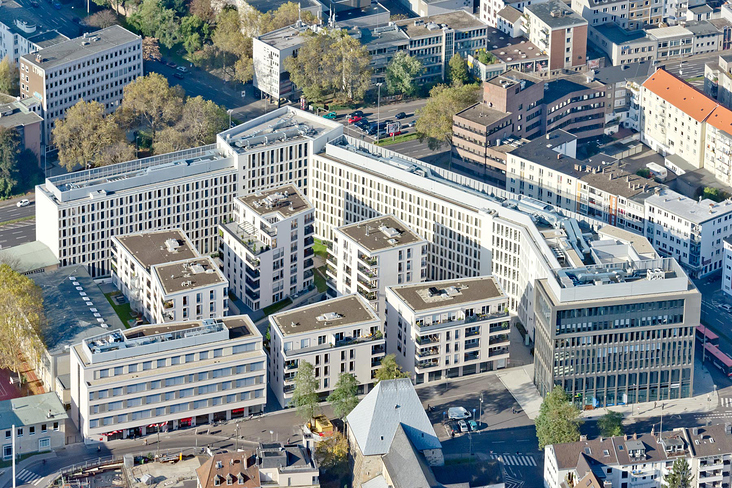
217,480
241,479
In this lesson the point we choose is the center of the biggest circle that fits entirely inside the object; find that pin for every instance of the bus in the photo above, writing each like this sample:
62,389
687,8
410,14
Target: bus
719,359
711,337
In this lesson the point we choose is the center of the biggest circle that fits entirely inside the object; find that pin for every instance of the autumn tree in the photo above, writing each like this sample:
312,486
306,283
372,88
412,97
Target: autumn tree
402,72
9,160
150,49
84,134
21,319
305,396
558,421
343,399
232,44
102,19
332,454
202,9
151,101
199,123
389,369
9,76
611,424
457,70
434,120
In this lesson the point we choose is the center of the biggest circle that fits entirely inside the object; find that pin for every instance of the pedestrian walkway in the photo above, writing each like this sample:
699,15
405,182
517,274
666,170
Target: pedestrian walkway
25,477
513,459
520,382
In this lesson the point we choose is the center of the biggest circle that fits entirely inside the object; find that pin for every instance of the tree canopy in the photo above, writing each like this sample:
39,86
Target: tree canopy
402,73
558,419
680,475
611,424
153,19
457,72
9,160
434,120
9,77
305,396
343,398
389,369
152,101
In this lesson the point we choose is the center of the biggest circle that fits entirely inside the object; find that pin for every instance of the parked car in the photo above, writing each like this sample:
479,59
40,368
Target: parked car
23,203
450,429
473,425
357,113
283,100
463,426
171,64
76,20
178,75
725,307
363,124
182,69
395,133
400,116
330,115
458,413
353,118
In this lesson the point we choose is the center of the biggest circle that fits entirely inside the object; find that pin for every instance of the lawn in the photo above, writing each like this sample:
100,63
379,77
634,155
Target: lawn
319,278
124,312
319,248
276,307
398,139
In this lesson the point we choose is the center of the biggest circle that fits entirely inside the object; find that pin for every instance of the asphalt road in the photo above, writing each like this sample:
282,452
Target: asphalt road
61,20
690,67
18,232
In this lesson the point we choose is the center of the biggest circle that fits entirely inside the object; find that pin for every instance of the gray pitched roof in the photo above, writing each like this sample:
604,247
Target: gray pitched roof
391,403
407,468
31,410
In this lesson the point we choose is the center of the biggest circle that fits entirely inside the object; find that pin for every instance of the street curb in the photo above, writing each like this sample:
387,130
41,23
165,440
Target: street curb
7,474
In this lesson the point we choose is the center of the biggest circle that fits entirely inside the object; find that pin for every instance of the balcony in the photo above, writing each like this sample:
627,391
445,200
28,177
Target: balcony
347,341
498,340
288,389
370,296
290,365
367,260
376,362
309,241
428,339
270,231
246,234
308,274
308,252
471,356
461,321
253,262
428,363
471,344
168,304
378,349
254,295
331,271
368,285
252,273
472,331
289,377
427,352
309,229
254,285
332,260
499,327
497,352
367,272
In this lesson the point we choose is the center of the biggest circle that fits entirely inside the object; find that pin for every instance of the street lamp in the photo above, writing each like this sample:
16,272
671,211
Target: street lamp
237,437
271,436
378,113
480,412
230,111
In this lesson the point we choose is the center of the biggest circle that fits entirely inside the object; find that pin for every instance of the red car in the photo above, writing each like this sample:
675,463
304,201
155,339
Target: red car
354,118
392,134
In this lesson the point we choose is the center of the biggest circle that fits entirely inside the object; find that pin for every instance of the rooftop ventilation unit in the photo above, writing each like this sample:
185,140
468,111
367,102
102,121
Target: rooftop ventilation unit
329,316
172,245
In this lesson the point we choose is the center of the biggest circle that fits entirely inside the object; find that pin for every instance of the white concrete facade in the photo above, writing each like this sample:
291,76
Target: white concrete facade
489,8
267,249
340,335
362,258
447,329
173,375
597,13
727,267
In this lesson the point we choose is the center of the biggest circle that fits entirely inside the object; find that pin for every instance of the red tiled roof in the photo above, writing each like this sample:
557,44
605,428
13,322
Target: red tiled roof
680,94
721,118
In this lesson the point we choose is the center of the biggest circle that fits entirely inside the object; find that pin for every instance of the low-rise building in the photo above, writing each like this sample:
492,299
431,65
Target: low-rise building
598,12
340,335
281,465
163,377
489,9
371,255
689,230
622,46
266,249
165,279
229,468
23,117
718,80
560,32
727,266
29,258
39,422
577,105
450,328
269,52
510,21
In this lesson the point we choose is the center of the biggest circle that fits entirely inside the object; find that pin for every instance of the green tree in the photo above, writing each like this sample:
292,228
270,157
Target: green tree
199,123
305,396
558,419
457,70
714,194
352,61
485,57
21,319
680,475
644,172
152,19
194,32
307,70
152,102
434,120
401,74
84,134
611,424
9,76
230,42
389,369
9,160
343,398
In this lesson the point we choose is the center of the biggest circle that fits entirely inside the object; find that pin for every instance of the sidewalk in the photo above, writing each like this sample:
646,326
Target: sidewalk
6,477
519,382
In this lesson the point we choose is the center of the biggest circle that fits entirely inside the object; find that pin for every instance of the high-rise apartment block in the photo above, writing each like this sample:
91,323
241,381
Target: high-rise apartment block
267,247
193,189
446,329
560,32
163,377
340,335
94,67
370,255
165,278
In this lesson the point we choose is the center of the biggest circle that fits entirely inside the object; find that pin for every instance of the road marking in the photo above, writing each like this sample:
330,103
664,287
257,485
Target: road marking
29,477
518,460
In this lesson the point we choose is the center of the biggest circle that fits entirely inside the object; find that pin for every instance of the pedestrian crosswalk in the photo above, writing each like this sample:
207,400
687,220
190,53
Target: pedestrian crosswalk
726,402
514,460
26,477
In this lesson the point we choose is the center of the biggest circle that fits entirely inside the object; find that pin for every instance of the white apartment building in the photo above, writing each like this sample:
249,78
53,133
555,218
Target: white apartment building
269,52
370,255
727,266
267,247
94,67
340,335
598,12
489,8
164,377
446,329
193,189
672,117
22,32
165,278
717,154
689,230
